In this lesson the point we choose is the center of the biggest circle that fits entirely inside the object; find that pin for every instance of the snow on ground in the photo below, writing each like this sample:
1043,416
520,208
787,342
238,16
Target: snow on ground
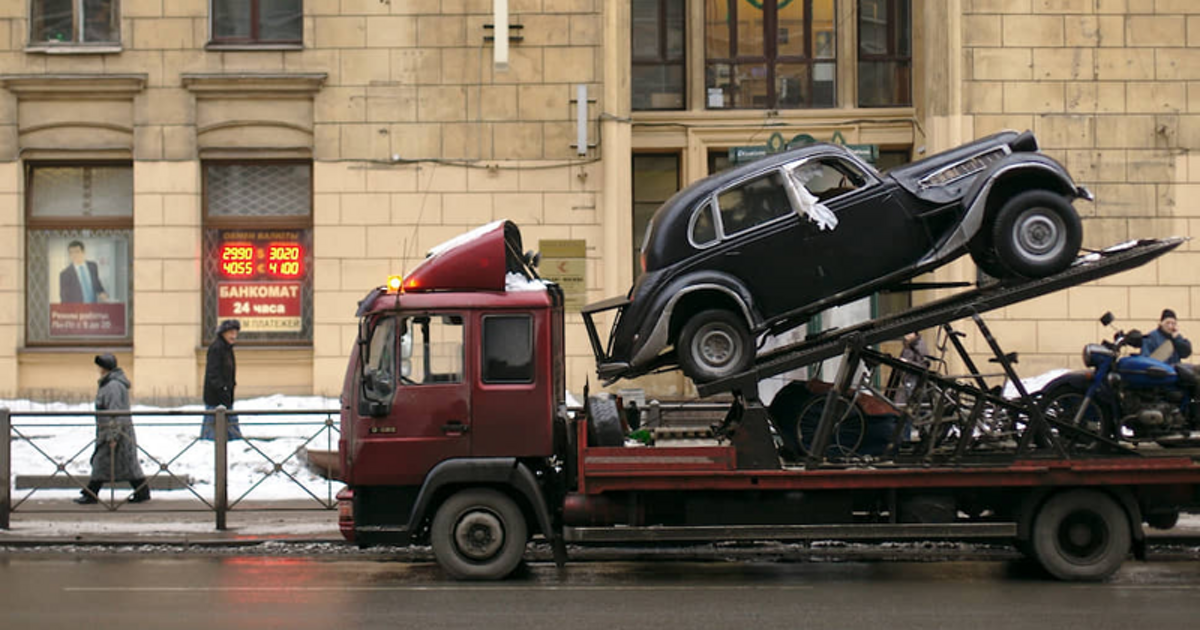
172,439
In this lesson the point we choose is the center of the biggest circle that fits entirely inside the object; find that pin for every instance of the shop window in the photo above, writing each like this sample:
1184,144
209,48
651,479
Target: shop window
770,54
655,179
507,349
258,249
884,53
74,22
659,30
79,245
253,22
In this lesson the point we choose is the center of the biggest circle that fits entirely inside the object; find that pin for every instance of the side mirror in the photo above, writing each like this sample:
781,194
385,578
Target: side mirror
1133,338
532,258
1106,318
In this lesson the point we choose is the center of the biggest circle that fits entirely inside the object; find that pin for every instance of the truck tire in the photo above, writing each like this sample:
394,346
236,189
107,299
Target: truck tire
604,422
1037,234
479,534
714,344
1081,535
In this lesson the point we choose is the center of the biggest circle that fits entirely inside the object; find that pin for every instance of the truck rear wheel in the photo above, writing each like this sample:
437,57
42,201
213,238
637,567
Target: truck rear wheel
479,534
1081,535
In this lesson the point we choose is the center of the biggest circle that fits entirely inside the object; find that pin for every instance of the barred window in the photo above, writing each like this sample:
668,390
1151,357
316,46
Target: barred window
258,249
79,243
74,21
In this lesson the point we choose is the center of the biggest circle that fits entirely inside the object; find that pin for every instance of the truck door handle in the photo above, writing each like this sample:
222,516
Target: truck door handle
455,427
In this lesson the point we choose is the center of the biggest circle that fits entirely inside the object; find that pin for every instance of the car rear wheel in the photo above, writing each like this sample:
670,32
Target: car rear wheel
714,344
1037,234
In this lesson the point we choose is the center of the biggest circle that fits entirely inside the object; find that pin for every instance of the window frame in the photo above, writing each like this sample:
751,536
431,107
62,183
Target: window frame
483,336
663,59
34,223
253,40
891,56
78,25
870,177
405,317
714,200
770,54
302,223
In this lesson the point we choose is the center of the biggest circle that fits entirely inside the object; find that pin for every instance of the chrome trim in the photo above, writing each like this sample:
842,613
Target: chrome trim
656,341
710,205
923,183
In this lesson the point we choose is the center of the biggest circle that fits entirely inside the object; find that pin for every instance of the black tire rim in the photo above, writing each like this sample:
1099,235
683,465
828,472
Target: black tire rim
716,345
1064,408
1039,235
1082,537
479,535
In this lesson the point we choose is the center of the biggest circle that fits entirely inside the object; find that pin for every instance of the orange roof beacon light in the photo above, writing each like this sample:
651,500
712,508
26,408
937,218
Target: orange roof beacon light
394,283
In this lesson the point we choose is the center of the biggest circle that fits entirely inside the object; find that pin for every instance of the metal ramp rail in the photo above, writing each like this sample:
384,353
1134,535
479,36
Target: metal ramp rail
748,424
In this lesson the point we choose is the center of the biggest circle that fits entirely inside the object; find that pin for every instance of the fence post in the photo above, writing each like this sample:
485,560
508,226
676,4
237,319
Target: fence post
5,466
221,477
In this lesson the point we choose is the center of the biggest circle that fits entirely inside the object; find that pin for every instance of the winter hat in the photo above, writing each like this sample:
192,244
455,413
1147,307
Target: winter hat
229,324
1167,313
106,361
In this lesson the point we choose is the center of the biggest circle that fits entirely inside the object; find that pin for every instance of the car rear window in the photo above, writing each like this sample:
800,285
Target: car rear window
753,202
703,230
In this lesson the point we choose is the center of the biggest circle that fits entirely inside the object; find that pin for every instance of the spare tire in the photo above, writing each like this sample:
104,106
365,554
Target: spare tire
604,421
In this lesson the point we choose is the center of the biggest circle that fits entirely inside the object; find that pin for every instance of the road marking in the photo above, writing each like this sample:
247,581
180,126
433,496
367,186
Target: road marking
285,589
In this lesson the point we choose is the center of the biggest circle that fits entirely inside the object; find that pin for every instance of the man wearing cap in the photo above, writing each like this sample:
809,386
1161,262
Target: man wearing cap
1165,343
220,378
116,454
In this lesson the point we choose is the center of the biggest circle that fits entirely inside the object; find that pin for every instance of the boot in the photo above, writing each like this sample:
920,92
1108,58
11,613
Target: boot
141,491
89,495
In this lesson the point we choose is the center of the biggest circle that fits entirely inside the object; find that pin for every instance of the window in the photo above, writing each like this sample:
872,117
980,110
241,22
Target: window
380,371
703,230
827,178
257,21
884,53
658,68
507,349
79,244
753,203
655,179
258,249
770,54
431,350
74,22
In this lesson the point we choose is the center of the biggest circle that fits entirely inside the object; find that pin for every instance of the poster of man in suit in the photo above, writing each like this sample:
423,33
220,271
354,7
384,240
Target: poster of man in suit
90,278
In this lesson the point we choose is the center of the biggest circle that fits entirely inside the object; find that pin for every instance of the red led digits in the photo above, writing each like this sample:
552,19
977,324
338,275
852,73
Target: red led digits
245,261
284,260
237,260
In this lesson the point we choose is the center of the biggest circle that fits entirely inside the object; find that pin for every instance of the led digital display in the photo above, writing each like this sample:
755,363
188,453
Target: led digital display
251,260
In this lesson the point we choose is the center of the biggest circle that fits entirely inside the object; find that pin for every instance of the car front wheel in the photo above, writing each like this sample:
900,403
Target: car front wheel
714,344
1037,234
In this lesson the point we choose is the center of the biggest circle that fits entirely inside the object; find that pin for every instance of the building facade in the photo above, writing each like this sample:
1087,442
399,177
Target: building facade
168,163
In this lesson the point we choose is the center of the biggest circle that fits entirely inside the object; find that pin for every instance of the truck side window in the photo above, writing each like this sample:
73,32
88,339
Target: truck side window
431,350
507,349
381,361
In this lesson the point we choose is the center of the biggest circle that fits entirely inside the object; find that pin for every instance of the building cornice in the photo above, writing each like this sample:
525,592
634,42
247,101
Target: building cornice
73,85
254,84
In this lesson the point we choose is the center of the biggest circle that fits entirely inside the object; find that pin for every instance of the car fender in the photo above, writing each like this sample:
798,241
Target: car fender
656,337
978,195
503,472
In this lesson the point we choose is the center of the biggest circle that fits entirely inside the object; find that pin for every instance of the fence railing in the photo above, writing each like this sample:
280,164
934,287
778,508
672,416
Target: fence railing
271,447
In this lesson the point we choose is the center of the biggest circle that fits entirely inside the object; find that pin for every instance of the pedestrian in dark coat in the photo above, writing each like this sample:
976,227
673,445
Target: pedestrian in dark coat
116,455
220,378
1165,343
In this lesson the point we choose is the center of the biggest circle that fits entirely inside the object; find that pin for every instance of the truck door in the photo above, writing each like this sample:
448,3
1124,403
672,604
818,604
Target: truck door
512,403
429,420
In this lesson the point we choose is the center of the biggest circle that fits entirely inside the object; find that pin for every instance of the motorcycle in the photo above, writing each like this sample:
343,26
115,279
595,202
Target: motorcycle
1127,399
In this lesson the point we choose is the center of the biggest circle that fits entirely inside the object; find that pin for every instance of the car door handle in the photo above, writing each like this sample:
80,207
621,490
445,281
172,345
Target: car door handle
455,427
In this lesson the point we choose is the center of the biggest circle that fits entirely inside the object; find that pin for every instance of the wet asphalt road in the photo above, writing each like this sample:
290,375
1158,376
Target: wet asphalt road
131,591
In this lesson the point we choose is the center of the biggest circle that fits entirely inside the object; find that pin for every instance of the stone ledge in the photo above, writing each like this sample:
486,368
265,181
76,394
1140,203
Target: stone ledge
254,84
73,85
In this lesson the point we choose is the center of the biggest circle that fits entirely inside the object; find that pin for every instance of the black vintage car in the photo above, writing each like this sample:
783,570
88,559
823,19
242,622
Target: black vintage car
760,248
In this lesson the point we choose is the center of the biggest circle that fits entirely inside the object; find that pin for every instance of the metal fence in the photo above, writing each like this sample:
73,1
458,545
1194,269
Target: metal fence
39,438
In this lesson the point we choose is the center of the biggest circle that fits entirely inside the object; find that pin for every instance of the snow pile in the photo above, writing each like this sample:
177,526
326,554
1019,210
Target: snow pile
515,283
171,440
464,238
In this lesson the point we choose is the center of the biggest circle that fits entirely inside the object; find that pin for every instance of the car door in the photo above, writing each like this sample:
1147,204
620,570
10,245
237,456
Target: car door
871,234
429,419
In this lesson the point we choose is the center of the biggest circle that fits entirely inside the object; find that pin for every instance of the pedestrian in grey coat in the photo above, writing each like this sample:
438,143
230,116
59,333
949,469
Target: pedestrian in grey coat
116,454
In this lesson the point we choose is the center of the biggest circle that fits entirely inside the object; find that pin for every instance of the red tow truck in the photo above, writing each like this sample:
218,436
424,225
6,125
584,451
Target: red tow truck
456,433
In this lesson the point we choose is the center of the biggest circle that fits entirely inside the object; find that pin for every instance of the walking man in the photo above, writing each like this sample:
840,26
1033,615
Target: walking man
220,378
115,457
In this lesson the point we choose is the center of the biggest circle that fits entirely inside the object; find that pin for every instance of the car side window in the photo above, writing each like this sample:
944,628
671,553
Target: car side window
431,349
507,349
703,230
829,177
753,202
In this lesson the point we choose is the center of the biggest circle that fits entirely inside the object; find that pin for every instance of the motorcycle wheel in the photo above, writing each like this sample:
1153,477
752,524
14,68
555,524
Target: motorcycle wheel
1062,404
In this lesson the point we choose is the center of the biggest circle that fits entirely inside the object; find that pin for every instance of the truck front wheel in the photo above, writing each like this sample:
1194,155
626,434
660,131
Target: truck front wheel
1081,535
479,534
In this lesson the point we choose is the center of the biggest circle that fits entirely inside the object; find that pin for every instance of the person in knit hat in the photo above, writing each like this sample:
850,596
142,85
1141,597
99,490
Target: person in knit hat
1165,343
116,454
220,378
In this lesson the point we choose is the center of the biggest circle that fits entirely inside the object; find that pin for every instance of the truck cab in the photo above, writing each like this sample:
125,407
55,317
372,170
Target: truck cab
453,382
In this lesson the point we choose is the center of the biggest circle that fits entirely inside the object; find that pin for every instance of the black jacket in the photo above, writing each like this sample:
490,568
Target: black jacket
70,291
220,374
